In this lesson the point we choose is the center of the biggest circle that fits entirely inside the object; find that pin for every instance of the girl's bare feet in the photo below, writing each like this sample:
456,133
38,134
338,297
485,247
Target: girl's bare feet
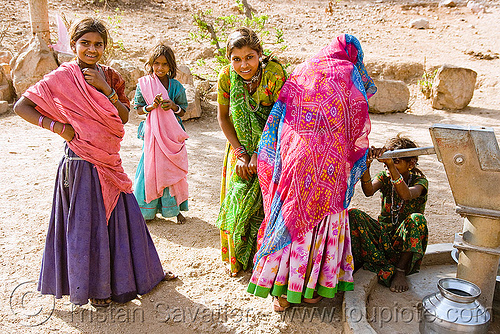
315,299
181,219
169,276
280,304
399,282
100,302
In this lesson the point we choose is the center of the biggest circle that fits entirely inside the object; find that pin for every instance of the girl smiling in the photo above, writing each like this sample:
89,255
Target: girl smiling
247,90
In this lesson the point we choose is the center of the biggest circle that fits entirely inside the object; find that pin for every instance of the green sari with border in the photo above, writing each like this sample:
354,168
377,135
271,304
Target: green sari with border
241,212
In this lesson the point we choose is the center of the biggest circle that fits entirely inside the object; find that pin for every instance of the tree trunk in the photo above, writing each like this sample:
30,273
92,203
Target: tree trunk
39,17
248,10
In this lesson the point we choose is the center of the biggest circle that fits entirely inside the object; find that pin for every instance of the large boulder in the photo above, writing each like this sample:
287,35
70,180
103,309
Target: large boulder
4,107
7,92
391,96
193,96
453,87
394,70
5,56
194,105
129,72
34,60
184,75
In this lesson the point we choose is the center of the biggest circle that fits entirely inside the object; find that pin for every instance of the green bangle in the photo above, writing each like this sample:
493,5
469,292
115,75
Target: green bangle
398,180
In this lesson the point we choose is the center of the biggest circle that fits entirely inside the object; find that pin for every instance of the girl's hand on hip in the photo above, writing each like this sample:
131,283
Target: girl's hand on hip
242,167
96,79
69,133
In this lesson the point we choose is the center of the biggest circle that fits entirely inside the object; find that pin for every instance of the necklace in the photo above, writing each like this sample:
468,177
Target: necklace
252,90
255,77
397,207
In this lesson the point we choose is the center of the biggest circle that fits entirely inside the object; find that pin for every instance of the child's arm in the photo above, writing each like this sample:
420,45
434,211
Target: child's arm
230,133
179,103
368,185
169,104
25,108
147,108
94,78
404,192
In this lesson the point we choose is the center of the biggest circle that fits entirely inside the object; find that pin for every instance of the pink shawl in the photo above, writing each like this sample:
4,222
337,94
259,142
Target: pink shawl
313,147
66,97
165,154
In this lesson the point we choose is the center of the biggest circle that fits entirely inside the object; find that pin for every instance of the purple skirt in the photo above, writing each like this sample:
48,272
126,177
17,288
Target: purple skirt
86,258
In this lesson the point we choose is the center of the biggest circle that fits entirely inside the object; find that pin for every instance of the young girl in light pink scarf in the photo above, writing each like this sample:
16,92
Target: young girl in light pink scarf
161,176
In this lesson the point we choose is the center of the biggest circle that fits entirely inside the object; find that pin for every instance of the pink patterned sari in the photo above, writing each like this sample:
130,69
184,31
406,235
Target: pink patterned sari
311,154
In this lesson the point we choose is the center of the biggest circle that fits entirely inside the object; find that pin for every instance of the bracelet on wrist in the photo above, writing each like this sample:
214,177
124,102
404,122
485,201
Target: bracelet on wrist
398,180
239,152
40,121
113,97
52,125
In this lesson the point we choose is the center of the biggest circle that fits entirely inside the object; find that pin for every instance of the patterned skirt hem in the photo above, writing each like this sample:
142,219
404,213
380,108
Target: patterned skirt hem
296,297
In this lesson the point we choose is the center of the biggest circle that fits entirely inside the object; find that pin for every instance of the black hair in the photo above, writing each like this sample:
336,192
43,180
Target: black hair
403,142
89,25
166,51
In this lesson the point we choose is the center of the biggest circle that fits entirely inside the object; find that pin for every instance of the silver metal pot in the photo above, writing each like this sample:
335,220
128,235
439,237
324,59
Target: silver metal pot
454,309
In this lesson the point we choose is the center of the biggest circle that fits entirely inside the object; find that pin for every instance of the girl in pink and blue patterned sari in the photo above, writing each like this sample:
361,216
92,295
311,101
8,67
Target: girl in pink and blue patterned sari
311,154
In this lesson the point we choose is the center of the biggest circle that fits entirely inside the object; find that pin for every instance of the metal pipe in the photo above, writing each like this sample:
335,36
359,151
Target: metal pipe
408,152
39,18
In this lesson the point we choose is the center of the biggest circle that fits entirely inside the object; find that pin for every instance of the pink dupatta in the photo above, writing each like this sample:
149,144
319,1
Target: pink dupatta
313,147
165,154
66,97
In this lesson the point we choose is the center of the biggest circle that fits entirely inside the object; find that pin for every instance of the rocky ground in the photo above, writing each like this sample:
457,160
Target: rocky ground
204,299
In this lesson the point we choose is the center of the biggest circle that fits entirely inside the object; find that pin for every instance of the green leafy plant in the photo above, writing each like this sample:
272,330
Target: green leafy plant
115,47
216,29
426,83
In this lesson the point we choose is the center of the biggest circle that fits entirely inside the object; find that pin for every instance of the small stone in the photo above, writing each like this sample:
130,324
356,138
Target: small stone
419,24
448,3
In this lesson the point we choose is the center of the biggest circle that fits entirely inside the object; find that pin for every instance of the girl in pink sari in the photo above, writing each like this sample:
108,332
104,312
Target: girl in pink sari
311,154
161,176
98,247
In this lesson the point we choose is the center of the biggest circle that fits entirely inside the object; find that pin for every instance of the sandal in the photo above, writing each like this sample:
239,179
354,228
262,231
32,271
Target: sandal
315,299
169,276
96,302
280,304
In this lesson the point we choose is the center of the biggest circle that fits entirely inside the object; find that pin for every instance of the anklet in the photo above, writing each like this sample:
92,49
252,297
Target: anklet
400,270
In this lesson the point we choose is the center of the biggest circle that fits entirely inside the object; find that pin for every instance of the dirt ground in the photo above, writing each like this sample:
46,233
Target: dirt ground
204,300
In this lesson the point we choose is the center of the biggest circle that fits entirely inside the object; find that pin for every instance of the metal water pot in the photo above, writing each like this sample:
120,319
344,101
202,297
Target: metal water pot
454,309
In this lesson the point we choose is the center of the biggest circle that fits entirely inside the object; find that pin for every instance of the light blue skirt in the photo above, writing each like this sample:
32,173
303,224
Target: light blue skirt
166,205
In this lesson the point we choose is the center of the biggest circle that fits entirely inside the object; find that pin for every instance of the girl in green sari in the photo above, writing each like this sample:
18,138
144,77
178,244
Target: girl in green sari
247,90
